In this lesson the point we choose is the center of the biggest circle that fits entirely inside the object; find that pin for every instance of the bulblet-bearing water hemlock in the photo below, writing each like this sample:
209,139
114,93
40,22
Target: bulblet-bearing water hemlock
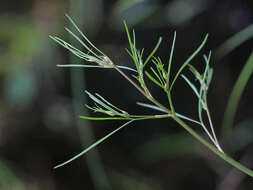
160,76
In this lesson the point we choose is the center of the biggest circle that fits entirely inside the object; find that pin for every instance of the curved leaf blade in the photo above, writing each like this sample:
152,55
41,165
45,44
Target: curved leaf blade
93,145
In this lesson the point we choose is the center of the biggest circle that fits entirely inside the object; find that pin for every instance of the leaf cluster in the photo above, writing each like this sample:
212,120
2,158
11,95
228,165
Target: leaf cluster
157,73
160,76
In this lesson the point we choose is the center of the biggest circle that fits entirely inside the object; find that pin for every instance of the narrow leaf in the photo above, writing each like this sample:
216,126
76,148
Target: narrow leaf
93,145
195,72
159,109
150,106
153,51
96,66
188,61
187,119
132,46
207,60
171,56
81,42
209,76
200,105
71,48
104,118
153,79
110,104
100,102
157,75
74,24
191,85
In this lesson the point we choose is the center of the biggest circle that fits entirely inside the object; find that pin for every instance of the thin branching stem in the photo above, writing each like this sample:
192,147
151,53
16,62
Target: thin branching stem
162,79
148,96
170,102
129,80
212,129
213,148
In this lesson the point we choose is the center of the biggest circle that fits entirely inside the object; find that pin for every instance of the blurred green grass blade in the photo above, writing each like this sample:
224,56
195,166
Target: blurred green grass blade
233,42
7,176
189,60
122,180
93,145
104,118
153,51
243,129
175,145
123,5
235,96
84,130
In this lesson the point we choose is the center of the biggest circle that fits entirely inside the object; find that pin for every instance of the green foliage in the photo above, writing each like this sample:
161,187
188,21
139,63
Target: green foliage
235,95
234,41
194,54
160,77
8,179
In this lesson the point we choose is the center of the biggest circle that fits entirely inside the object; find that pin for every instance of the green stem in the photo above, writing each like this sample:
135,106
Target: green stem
170,102
213,148
148,96
143,117
129,80
212,129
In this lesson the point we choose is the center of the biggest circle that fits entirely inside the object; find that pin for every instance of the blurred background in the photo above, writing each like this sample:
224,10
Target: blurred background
40,103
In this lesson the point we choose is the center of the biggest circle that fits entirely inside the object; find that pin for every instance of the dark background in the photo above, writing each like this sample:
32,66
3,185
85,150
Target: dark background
40,103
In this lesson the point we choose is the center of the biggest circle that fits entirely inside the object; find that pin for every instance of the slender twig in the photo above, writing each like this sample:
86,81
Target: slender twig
212,129
141,91
213,148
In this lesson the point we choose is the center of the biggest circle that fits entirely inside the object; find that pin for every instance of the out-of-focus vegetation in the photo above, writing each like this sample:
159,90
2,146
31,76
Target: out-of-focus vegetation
38,120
